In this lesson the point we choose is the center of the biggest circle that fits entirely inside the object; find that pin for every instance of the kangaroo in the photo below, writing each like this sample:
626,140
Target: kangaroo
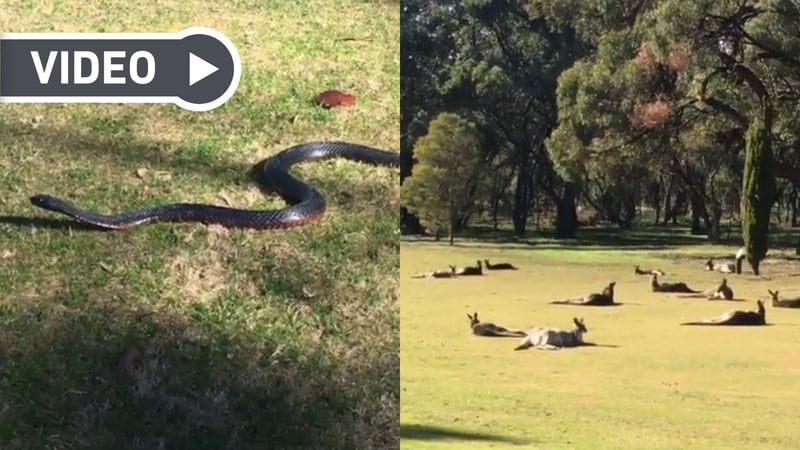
491,330
499,266
437,273
606,298
638,271
721,292
555,339
785,303
737,318
655,286
471,270
724,268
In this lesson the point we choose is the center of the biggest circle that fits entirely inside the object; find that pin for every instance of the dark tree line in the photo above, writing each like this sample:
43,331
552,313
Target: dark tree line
654,110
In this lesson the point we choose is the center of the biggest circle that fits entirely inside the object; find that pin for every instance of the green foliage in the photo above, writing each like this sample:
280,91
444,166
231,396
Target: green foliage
447,182
758,193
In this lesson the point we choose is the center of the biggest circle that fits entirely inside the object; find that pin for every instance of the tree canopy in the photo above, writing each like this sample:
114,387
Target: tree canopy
620,107
447,181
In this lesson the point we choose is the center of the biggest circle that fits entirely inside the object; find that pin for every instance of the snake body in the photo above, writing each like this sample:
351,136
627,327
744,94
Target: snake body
305,202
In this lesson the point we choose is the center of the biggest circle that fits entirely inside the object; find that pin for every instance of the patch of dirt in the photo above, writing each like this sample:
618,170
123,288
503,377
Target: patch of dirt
199,277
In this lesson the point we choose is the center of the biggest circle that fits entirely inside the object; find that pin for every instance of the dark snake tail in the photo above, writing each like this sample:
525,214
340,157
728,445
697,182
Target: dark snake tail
306,203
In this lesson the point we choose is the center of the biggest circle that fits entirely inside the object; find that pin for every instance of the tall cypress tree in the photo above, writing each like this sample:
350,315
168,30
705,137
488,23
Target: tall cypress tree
758,194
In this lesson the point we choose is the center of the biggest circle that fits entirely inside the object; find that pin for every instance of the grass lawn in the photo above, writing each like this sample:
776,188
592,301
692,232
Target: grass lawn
648,384
186,336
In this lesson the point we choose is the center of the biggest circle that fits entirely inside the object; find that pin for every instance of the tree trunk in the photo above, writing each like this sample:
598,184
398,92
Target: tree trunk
714,229
495,207
522,196
698,212
667,198
452,232
566,217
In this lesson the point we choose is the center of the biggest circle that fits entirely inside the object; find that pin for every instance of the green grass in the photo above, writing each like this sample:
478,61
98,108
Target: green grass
192,336
649,384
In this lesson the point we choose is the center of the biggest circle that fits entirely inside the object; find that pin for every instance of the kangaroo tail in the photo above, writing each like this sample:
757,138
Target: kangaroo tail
698,295
700,323
568,301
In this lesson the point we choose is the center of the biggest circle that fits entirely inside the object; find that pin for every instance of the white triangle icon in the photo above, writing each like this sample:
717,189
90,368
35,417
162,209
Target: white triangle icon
199,68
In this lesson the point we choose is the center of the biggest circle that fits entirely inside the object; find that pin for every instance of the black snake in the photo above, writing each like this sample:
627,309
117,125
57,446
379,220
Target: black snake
306,203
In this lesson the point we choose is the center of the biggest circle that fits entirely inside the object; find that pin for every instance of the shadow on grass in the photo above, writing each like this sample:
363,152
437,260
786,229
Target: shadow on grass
593,344
595,306
55,224
432,433
106,377
647,237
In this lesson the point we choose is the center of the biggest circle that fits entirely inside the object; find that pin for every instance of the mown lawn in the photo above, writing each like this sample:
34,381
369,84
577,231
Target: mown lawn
186,336
648,384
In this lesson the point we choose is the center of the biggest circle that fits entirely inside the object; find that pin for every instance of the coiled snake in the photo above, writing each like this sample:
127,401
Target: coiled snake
306,203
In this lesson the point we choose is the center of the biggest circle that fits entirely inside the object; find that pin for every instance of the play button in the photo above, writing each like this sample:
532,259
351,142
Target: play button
199,69
214,69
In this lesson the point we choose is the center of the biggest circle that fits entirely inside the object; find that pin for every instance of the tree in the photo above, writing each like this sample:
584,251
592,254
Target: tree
759,194
447,181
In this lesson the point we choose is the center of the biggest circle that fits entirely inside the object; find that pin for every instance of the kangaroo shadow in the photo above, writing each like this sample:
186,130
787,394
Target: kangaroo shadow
432,433
589,305
593,344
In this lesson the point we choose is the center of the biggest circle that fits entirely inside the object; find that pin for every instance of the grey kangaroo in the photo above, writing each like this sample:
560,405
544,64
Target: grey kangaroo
655,286
783,303
721,292
437,273
639,271
737,318
498,266
491,330
605,298
471,270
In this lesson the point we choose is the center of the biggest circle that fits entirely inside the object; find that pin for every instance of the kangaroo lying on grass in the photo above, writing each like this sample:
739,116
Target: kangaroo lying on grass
737,318
721,292
471,270
499,266
724,267
437,273
655,286
491,330
606,298
638,271
554,339
785,303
